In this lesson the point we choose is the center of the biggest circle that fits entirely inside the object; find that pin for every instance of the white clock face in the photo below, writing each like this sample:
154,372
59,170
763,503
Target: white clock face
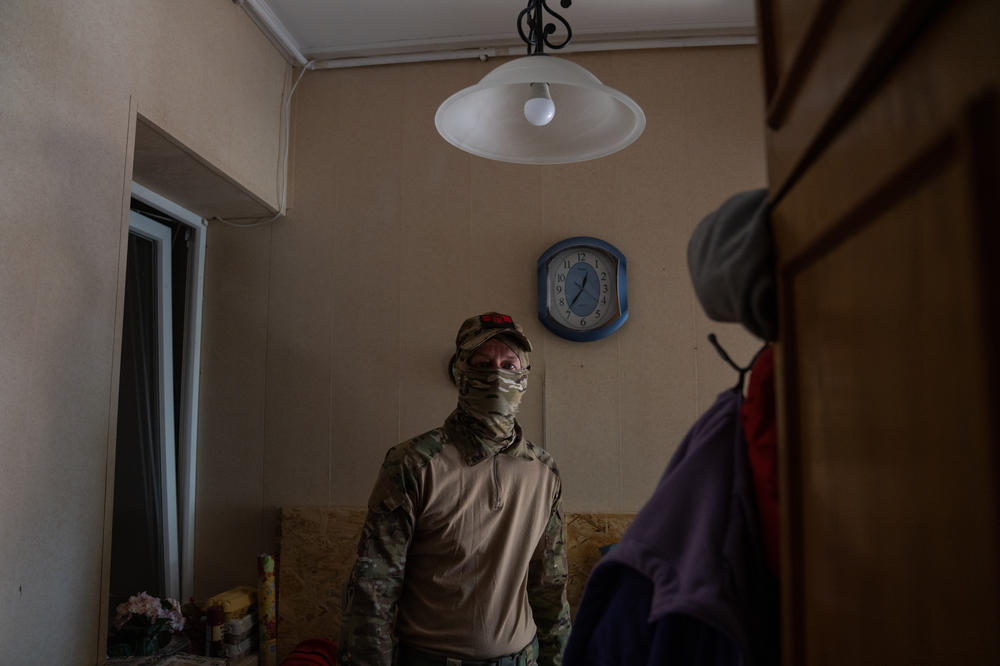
583,288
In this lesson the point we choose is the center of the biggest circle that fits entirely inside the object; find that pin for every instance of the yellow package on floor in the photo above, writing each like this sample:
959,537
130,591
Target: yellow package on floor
235,602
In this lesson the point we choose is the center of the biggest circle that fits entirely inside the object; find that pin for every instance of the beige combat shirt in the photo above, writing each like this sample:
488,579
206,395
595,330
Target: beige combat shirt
467,546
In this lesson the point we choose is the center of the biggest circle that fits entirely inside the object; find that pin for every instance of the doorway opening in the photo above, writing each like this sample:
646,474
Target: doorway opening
152,546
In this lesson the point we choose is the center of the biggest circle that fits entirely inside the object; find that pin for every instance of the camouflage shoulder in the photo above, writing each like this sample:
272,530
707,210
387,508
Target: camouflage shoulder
400,473
417,451
543,456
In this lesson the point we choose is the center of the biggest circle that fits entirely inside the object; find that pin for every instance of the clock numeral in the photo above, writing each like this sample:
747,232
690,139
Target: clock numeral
604,300
560,277
583,322
558,288
597,313
562,301
605,287
604,276
566,264
581,256
568,313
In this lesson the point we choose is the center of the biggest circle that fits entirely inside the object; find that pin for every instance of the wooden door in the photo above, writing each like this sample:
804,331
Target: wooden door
883,145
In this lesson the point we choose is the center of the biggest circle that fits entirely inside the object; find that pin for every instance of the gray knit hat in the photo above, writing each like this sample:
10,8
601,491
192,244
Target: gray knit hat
731,260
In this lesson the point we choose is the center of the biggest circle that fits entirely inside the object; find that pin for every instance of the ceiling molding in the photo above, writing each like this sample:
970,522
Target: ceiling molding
513,45
504,51
484,46
275,30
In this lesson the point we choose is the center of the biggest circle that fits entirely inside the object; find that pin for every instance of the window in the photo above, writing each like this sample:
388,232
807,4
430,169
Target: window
156,448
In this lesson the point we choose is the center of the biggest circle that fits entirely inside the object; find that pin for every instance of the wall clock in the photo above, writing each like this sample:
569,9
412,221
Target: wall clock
582,293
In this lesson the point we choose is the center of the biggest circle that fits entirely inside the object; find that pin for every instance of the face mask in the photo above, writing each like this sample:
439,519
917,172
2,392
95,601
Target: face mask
491,397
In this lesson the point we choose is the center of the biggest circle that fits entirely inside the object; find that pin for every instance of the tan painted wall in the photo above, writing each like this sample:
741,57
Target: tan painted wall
72,73
327,333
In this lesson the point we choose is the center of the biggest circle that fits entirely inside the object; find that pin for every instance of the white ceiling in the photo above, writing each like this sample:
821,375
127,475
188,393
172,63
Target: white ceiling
368,31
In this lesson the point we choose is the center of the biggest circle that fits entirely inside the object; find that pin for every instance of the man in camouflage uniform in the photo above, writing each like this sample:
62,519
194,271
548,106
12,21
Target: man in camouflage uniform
462,558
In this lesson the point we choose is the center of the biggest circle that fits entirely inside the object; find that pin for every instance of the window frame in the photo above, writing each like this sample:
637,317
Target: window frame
186,438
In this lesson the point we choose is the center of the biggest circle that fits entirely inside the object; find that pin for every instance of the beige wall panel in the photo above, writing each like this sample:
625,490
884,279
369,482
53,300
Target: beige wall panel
418,235
297,456
659,383
55,366
697,150
68,70
223,98
658,401
582,420
229,527
361,206
582,402
436,275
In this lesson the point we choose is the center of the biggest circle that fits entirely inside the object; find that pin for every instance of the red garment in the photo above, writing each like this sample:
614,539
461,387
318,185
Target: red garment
760,430
312,652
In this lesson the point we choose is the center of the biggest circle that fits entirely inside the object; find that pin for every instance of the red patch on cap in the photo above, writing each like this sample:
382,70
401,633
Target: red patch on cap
496,320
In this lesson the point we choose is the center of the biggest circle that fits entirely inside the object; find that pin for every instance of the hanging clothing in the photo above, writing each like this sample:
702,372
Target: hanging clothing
730,257
688,583
759,417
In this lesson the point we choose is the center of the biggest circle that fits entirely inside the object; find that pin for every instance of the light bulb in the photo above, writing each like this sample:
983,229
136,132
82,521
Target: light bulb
539,109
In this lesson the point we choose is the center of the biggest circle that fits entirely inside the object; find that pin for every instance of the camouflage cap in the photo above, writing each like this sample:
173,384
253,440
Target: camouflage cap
477,330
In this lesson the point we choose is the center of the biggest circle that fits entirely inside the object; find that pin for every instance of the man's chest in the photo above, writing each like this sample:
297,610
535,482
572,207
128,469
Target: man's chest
472,506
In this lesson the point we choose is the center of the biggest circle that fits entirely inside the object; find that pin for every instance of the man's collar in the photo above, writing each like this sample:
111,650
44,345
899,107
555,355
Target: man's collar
475,448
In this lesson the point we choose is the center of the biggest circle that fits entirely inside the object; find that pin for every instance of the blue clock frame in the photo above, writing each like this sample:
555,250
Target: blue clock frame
589,335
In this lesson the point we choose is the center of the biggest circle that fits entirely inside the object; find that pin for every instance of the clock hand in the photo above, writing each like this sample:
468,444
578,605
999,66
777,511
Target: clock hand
590,293
581,286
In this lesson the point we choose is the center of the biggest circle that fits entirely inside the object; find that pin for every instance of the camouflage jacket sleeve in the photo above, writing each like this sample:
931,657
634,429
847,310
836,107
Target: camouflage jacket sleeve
547,576
376,582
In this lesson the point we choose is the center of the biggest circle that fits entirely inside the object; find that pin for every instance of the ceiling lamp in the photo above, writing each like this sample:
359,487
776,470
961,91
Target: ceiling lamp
540,109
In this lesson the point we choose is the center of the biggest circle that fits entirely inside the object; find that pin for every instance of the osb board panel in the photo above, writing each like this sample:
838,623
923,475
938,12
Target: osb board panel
317,551
585,534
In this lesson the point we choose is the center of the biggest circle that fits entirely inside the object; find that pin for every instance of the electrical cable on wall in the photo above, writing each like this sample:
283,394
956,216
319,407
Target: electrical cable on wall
286,112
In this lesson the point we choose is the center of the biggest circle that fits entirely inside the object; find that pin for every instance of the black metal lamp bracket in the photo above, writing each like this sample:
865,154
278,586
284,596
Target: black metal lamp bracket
535,32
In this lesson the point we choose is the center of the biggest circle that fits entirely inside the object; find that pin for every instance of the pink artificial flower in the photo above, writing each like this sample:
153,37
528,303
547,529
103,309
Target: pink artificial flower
145,605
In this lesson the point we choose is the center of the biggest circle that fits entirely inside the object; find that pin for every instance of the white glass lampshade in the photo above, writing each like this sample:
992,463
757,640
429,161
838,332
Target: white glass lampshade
591,120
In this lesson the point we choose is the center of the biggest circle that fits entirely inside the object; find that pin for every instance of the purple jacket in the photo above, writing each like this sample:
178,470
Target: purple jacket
688,583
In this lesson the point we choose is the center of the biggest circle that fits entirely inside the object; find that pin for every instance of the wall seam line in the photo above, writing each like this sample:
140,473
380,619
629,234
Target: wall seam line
262,538
621,429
